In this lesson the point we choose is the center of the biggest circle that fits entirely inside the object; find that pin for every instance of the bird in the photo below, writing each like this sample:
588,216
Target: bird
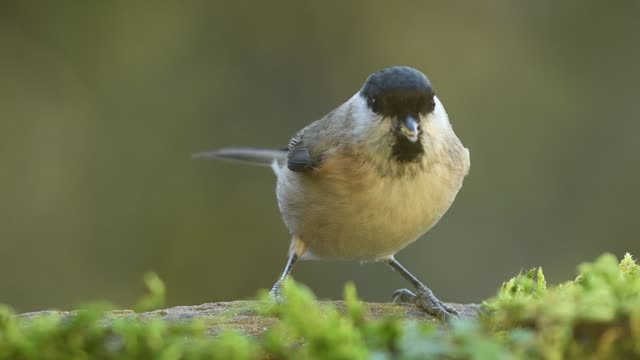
367,179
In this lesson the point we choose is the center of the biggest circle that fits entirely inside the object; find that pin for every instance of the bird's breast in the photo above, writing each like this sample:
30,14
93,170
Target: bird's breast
347,209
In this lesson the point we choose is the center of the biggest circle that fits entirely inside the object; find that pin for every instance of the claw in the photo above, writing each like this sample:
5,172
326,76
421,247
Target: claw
275,294
425,300
403,296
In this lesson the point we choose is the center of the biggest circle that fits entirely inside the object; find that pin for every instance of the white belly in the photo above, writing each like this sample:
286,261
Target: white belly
359,214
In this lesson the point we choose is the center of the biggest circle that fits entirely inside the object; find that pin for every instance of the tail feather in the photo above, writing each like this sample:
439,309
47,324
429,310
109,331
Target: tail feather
262,157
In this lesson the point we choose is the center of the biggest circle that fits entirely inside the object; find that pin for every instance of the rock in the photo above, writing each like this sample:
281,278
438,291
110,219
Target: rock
242,316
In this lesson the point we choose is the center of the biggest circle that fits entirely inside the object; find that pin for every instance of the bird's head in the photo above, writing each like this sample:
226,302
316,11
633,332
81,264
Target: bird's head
393,110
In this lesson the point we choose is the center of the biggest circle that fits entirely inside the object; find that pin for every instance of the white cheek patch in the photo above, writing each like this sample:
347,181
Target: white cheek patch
363,118
439,116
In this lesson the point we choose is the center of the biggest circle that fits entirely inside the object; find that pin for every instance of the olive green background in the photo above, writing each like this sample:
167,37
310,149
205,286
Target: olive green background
102,103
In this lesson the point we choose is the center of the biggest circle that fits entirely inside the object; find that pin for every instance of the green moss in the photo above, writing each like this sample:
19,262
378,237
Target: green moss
597,313
155,297
597,316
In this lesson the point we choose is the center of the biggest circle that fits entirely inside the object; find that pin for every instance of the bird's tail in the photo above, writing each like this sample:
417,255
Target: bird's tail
252,156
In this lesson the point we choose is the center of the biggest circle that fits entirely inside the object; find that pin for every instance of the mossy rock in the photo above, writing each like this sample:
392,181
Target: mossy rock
244,317
595,316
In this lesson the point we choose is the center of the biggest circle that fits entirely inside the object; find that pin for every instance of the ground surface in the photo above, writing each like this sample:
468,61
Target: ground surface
242,316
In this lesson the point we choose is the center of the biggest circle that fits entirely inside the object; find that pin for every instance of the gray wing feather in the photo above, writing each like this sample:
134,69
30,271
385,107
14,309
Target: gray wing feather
299,158
303,153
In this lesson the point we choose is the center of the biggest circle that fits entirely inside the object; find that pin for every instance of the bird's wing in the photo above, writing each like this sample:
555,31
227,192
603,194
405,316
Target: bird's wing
299,158
311,146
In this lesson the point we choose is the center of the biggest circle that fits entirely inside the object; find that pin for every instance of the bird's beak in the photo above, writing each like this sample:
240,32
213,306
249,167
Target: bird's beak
409,127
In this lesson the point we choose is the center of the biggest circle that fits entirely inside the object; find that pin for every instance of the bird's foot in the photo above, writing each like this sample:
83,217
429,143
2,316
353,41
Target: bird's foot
276,294
426,301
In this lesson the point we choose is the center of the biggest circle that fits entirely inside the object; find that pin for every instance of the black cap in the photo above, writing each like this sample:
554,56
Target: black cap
399,91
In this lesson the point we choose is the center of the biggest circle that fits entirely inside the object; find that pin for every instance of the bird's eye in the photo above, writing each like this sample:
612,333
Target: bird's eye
373,104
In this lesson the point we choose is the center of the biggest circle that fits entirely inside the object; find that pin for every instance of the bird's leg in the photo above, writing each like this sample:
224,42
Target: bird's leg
423,297
275,290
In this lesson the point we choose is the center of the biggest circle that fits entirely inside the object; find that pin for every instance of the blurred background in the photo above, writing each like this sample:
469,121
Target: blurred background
102,104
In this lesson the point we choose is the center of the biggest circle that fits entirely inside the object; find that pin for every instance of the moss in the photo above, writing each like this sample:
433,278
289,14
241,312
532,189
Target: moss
155,297
597,315
594,315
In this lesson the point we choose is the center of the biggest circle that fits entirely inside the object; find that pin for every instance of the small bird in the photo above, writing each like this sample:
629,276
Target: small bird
369,178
